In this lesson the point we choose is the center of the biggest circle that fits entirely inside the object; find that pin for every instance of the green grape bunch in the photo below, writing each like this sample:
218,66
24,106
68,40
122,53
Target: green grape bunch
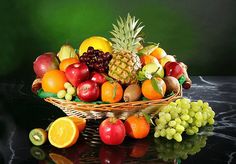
182,116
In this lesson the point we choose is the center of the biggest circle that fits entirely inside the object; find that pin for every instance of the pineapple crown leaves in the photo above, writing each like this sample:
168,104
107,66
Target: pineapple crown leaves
126,34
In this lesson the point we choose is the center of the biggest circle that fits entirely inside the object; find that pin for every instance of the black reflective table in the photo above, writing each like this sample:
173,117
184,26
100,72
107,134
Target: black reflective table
21,110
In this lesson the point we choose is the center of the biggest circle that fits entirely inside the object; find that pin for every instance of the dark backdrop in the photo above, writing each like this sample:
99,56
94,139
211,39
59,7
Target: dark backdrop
200,33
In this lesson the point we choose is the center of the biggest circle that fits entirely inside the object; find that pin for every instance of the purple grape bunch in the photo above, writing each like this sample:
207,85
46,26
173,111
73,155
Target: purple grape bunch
96,60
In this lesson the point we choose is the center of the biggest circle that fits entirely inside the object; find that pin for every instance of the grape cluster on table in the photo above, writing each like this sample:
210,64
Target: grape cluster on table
182,116
96,60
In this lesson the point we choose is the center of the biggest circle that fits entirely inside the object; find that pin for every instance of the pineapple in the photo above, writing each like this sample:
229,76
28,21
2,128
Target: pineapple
125,62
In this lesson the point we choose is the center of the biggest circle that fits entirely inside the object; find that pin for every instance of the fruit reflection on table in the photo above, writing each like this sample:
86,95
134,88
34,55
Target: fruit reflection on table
130,150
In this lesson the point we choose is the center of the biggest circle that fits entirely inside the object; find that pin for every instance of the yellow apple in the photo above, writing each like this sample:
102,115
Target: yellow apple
166,59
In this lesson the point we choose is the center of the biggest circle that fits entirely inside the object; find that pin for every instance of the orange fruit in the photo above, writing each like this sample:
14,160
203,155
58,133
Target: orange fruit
53,81
59,159
64,132
150,92
146,59
158,53
137,126
111,92
81,123
66,62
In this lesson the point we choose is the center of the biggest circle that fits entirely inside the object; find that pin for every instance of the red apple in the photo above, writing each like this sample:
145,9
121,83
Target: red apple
112,131
98,78
173,69
88,91
44,63
77,73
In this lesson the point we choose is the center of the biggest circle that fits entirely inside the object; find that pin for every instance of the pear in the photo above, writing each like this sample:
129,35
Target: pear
66,51
153,69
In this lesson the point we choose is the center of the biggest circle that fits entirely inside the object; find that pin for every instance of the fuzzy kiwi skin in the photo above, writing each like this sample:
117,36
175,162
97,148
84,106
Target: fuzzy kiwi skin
38,136
132,93
172,84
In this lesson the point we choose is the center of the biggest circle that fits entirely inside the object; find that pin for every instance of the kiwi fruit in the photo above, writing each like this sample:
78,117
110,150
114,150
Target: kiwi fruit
172,84
132,93
38,136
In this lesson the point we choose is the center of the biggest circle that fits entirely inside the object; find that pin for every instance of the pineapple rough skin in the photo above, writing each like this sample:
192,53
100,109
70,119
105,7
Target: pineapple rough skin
125,62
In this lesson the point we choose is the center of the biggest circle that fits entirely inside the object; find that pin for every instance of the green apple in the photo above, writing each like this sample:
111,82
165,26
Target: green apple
166,59
153,69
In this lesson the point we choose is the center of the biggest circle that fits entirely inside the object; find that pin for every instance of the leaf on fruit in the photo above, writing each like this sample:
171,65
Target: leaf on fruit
94,102
144,98
114,92
148,118
157,87
43,94
109,79
147,50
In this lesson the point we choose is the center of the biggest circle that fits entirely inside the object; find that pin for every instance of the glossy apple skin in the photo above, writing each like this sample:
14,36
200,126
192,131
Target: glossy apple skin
173,69
112,131
45,62
77,73
88,91
98,78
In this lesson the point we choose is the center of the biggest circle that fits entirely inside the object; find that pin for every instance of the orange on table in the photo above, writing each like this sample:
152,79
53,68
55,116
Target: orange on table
111,92
53,81
64,132
59,159
146,59
66,62
137,126
158,53
149,92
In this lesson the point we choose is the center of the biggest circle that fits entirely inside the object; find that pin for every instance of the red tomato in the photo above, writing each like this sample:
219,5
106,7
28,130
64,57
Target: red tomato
112,131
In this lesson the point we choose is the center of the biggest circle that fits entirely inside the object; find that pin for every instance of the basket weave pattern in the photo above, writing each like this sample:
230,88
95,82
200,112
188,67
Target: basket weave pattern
97,111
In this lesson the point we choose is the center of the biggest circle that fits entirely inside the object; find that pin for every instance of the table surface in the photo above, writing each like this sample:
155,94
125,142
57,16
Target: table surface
21,110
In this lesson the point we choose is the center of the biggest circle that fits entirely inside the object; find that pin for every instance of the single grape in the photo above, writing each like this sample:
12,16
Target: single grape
178,137
185,117
68,97
169,137
179,128
61,94
156,134
162,121
189,132
199,102
172,131
211,121
71,90
198,116
90,49
163,132
67,85
172,123
195,129
167,116
178,120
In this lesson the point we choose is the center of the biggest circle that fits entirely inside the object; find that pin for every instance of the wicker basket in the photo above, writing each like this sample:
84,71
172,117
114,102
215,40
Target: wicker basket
98,111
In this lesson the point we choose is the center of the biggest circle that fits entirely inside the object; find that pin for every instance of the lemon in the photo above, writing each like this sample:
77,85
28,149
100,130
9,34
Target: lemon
97,42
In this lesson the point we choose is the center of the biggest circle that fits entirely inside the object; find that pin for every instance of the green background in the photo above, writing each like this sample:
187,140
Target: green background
201,33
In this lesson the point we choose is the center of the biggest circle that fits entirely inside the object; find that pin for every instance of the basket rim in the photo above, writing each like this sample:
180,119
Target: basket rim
106,107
